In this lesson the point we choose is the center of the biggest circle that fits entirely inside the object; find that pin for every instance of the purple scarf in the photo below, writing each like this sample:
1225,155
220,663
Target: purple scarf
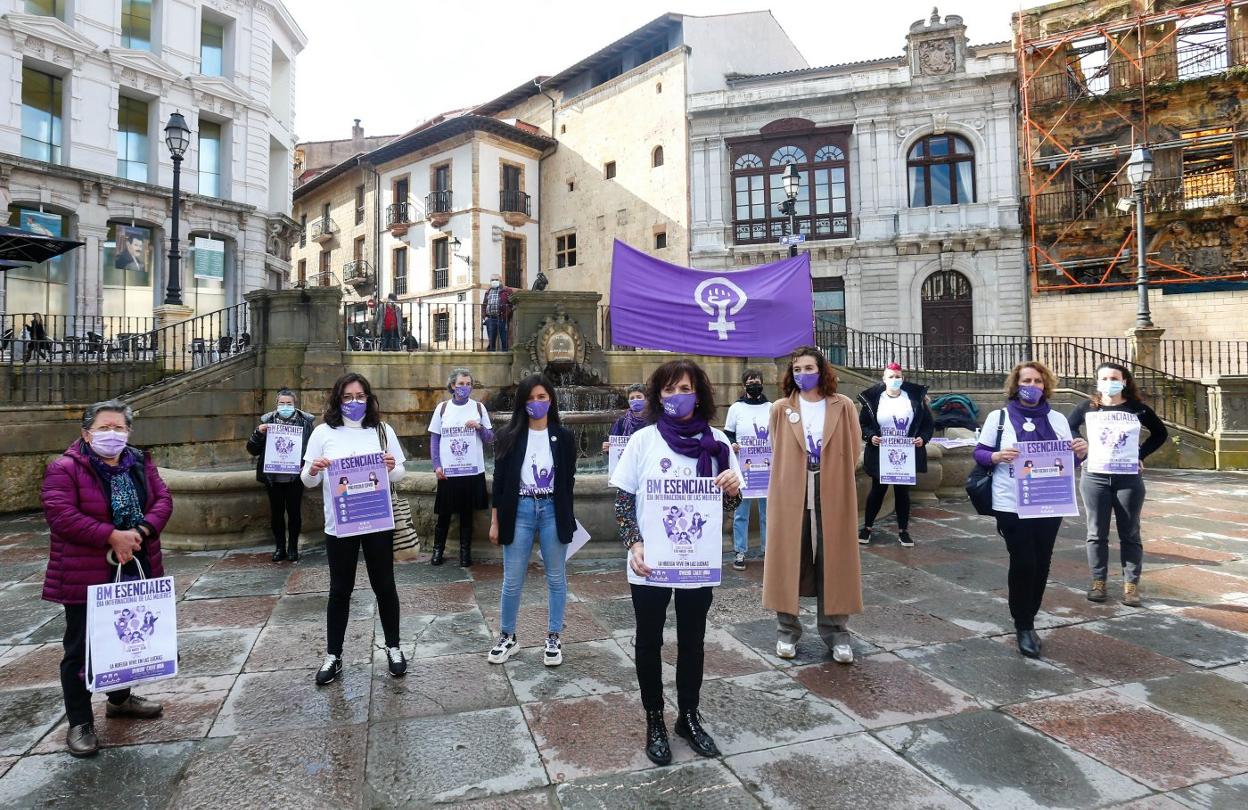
693,438
628,424
1038,414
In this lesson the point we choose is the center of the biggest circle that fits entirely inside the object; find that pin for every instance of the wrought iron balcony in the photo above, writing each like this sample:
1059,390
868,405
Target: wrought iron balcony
510,200
323,230
399,213
355,270
1167,194
438,202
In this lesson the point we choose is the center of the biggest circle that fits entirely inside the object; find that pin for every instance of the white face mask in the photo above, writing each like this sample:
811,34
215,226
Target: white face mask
1110,388
495,284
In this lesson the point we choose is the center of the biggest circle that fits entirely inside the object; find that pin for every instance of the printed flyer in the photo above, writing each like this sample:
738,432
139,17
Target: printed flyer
283,447
755,459
614,451
1113,442
132,635
1044,473
460,449
361,493
897,461
682,527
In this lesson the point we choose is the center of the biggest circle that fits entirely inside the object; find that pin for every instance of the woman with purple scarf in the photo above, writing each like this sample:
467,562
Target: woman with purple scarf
632,420
1025,417
681,443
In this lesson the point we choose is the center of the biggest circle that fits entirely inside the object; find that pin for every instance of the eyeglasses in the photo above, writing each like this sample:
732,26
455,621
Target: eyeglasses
108,429
356,398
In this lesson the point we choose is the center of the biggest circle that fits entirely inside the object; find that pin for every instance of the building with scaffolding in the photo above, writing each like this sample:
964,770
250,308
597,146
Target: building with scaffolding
1096,78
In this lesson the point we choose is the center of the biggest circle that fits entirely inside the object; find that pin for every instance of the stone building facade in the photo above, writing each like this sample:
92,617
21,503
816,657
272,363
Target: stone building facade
909,193
82,152
1103,76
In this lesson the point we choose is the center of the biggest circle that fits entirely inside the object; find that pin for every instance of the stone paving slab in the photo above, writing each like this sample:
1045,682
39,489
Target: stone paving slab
32,667
589,668
1233,617
1194,584
58,780
533,623
1198,644
760,636
237,613
265,702
1110,728
418,762
855,771
1220,794
301,646
891,627
214,585
992,672
25,716
185,717
994,762
310,607
977,612
448,634
18,623
1103,659
214,652
696,786
449,684
1204,699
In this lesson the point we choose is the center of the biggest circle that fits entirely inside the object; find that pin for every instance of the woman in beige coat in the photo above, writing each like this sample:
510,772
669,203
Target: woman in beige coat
815,440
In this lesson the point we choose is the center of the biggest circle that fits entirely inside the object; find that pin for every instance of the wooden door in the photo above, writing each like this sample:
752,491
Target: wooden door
948,331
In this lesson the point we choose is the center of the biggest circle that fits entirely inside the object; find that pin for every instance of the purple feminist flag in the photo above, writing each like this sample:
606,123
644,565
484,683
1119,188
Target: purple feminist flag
766,311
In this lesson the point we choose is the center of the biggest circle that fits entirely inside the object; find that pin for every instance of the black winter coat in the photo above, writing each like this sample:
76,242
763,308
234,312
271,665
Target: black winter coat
255,445
920,426
507,483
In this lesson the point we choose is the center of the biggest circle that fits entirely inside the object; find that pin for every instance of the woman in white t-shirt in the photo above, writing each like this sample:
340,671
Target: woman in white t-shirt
681,444
457,434
534,473
352,427
747,421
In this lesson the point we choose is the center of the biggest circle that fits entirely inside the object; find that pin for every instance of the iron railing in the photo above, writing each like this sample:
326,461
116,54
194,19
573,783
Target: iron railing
427,326
1167,194
357,270
512,200
438,202
1197,359
820,226
398,214
88,359
323,228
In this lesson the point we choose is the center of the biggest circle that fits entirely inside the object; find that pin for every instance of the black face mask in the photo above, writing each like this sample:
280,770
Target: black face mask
754,390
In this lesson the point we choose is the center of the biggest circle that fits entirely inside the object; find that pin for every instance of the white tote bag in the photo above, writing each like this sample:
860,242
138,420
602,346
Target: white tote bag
132,633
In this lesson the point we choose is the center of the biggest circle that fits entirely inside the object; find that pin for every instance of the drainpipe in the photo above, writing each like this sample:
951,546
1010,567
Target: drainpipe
376,228
553,105
555,137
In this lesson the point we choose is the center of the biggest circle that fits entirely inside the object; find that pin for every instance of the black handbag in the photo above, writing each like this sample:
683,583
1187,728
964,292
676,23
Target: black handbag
979,482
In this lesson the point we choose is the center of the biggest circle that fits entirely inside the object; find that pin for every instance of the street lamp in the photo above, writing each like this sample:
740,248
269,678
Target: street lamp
1139,170
177,138
791,181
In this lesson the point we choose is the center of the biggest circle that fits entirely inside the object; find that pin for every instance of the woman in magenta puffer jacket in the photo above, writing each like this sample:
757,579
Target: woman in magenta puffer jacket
102,496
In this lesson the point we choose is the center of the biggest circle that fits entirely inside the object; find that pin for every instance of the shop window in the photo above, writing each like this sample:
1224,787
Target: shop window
128,265
207,260
44,287
42,97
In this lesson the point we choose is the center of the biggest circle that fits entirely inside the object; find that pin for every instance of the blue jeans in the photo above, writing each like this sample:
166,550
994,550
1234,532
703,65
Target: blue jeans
534,516
741,525
496,329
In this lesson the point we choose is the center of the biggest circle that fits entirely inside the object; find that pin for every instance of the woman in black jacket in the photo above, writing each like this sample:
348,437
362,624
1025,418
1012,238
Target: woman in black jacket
894,407
285,490
534,473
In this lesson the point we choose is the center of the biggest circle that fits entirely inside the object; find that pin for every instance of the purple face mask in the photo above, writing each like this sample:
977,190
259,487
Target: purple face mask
636,405
354,411
680,405
806,380
1030,394
110,444
461,393
537,409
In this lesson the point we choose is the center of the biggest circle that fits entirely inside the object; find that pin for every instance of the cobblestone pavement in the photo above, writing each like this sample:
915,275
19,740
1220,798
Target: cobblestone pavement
1139,708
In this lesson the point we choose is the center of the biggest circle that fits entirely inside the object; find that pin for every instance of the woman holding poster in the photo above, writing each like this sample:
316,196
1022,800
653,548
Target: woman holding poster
631,421
890,411
279,443
1029,534
534,473
351,442
101,498
812,505
459,430
675,474
1112,483
746,427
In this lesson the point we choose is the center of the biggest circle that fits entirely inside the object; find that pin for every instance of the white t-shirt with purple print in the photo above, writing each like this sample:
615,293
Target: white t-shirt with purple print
537,474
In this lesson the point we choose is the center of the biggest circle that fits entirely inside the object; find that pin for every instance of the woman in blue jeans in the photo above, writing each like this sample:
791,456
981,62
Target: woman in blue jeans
534,473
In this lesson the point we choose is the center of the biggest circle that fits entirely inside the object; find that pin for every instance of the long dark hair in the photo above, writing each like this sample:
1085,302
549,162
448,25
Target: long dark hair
827,377
1130,391
671,372
333,405
519,422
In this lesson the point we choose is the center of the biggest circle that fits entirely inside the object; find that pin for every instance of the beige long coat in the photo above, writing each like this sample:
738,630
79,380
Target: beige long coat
784,575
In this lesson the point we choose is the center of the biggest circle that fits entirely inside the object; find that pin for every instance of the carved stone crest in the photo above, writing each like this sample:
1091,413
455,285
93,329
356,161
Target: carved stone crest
937,57
559,346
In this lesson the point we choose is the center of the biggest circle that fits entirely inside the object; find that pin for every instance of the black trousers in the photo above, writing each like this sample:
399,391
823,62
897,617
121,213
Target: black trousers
650,608
343,554
443,526
1030,543
875,499
74,667
285,515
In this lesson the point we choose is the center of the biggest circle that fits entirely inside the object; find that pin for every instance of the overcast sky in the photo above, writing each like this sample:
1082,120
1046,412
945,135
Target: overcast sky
393,63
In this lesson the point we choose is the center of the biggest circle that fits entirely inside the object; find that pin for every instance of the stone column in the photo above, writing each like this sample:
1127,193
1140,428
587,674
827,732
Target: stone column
173,344
1228,421
299,335
1145,346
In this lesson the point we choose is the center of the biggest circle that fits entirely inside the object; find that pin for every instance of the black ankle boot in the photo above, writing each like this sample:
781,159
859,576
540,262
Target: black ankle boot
658,749
1029,643
439,549
280,554
292,551
689,726
465,553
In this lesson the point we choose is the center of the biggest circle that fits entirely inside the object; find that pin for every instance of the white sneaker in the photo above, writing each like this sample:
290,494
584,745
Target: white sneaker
786,650
842,653
553,656
502,650
738,562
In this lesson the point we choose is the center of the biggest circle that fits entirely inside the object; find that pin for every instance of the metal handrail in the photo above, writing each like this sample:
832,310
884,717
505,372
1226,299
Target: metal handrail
511,200
438,202
398,214
323,226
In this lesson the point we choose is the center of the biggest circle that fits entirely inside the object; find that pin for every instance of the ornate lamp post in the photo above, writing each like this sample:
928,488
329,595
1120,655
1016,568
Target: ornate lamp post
177,138
792,181
1139,170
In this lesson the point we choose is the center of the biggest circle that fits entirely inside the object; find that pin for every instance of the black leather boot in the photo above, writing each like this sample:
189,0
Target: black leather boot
439,550
279,554
689,726
1029,643
465,552
292,549
658,749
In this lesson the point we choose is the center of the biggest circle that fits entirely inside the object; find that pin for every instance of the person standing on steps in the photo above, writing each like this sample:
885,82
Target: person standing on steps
1026,416
534,475
812,501
681,442
459,430
1117,488
285,491
749,416
352,426
893,407
496,313
390,323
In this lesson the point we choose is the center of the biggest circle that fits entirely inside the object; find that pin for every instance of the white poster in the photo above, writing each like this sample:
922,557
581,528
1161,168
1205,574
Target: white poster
615,450
132,633
897,460
682,528
1113,442
283,449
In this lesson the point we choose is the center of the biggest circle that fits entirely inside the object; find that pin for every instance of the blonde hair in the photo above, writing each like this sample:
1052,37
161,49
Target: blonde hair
1011,381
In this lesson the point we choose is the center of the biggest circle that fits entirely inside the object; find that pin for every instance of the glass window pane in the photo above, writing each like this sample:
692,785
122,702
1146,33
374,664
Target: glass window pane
758,200
939,177
132,145
966,181
938,146
128,257
917,151
45,8
136,24
918,186
41,116
961,146
212,48
840,199
803,195
209,158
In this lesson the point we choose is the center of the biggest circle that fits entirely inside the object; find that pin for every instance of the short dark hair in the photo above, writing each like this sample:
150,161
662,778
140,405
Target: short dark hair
671,372
827,377
286,392
111,406
749,374
333,405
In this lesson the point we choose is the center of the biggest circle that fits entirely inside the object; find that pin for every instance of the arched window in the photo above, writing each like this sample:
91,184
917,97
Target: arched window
822,202
748,161
942,171
656,158
786,155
